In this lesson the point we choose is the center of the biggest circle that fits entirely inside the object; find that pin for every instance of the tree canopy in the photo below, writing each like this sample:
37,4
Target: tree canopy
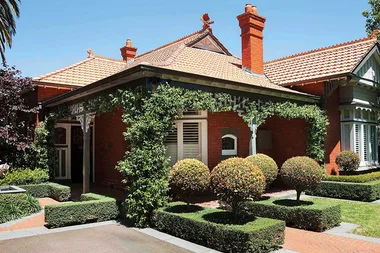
372,16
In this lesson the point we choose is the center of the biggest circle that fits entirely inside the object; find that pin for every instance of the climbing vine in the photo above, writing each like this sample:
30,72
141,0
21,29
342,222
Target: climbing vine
47,158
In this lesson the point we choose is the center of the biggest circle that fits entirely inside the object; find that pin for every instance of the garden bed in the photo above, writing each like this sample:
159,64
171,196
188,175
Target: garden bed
313,214
217,228
17,205
91,208
369,191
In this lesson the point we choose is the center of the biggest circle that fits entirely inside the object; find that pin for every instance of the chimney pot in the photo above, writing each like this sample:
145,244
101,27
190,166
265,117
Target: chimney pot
128,52
252,26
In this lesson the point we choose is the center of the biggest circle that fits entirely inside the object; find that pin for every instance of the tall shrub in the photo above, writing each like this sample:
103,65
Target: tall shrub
347,160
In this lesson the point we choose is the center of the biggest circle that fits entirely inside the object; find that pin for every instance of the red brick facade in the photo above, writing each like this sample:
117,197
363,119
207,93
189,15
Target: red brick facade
110,147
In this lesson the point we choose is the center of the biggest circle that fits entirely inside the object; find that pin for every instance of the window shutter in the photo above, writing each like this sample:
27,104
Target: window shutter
347,134
365,142
172,147
357,139
191,143
373,143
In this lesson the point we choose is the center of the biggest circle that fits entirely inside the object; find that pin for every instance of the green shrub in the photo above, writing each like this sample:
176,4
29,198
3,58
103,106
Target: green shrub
52,190
343,190
314,214
347,160
24,176
214,228
235,180
301,173
363,178
189,176
91,208
16,205
267,165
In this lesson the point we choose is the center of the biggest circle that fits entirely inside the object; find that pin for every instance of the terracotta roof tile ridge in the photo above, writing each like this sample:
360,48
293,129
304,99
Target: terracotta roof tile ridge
38,78
343,44
171,43
108,59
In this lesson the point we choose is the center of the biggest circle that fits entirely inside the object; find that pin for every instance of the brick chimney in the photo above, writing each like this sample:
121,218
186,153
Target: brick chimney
252,26
128,52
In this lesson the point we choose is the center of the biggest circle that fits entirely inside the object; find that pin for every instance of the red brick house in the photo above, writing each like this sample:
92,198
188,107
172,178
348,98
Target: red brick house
343,79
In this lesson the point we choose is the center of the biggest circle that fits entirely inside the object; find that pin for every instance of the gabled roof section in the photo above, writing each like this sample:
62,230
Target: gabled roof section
320,63
84,72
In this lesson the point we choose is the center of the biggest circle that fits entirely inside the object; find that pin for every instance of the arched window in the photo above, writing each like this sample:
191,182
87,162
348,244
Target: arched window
229,144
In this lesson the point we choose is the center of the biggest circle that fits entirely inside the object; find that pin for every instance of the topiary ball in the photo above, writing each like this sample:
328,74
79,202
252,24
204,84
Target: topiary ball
235,180
347,160
267,165
188,176
301,173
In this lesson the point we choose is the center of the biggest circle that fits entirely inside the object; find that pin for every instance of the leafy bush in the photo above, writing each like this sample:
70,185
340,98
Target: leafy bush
24,176
267,165
301,173
188,176
347,160
363,178
17,205
315,215
343,190
92,207
214,228
52,190
235,180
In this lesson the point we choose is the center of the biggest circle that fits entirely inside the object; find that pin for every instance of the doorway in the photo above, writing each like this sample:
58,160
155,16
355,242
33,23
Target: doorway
77,154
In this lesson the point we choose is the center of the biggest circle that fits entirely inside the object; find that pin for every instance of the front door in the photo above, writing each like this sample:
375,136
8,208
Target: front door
77,155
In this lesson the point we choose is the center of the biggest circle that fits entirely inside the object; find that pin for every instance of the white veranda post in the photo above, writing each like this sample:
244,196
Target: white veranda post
252,143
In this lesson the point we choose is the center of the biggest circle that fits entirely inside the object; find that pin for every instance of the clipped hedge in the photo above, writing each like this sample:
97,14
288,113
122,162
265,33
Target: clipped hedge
24,176
91,208
16,205
53,190
313,214
343,190
209,227
363,178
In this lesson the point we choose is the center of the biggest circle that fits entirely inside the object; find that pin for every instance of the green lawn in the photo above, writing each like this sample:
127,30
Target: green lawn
366,215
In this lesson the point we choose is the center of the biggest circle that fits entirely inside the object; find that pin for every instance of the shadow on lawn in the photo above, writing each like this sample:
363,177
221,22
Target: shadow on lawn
292,202
184,209
228,218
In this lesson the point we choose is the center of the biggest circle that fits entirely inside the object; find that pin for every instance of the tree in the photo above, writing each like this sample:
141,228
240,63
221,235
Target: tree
372,16
14,113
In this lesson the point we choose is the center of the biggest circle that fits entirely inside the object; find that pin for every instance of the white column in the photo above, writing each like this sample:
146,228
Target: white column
252,143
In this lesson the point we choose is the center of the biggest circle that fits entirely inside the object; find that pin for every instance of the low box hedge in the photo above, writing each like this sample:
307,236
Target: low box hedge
363,178
52,190
369,191
213,228
313,214
91,208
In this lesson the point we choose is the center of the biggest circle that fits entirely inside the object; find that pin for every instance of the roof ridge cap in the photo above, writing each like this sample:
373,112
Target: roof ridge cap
107,58
170,43
38,78
321,49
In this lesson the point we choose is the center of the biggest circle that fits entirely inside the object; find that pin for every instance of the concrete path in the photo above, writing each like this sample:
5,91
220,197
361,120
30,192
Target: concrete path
101,239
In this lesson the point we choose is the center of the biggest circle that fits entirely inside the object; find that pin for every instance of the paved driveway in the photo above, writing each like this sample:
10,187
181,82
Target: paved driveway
102,239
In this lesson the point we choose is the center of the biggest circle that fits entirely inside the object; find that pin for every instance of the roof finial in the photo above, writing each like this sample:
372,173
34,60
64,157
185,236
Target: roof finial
206,22
90,53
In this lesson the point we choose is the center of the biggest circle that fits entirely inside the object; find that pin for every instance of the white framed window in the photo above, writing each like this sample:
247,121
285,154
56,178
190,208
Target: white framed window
62,133
229,144
188,140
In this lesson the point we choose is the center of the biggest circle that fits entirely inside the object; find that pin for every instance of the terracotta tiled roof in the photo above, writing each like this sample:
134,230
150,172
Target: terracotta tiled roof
329,61
178,56
84,72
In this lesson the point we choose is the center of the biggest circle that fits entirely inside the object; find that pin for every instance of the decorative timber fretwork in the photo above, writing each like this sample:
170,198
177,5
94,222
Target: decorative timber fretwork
331,86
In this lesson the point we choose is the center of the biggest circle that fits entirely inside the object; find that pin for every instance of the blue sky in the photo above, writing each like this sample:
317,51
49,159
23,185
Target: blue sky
53,34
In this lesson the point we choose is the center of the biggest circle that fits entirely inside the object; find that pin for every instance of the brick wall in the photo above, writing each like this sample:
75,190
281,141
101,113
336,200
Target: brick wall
289,138
44,93
222,120
110,148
